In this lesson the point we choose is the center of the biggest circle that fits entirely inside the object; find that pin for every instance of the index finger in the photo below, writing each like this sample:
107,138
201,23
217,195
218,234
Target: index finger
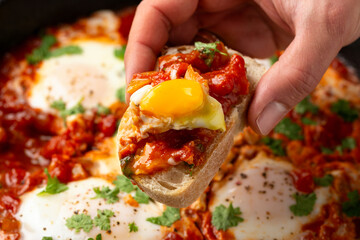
150,31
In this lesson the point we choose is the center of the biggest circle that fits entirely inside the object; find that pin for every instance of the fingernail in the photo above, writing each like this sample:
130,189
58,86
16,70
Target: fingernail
270,116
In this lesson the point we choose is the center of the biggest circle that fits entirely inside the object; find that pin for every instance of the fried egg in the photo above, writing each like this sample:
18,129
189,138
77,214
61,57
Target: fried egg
46,215
263,190
178,104
91,77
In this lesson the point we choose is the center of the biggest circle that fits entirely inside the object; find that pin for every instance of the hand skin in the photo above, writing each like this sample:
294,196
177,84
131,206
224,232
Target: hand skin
311,32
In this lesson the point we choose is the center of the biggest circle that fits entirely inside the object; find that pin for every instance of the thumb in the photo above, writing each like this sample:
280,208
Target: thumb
290,79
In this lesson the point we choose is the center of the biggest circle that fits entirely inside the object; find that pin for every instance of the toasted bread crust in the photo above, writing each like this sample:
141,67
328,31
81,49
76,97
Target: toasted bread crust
176,187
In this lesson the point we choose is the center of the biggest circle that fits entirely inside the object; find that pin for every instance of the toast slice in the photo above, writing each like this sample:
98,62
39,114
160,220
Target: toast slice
176,187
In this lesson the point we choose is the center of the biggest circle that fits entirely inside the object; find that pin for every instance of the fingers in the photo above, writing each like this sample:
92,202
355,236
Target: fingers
150,31
289,80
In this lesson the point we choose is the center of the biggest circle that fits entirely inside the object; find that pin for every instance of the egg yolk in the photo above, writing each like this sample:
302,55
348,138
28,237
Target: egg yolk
174,98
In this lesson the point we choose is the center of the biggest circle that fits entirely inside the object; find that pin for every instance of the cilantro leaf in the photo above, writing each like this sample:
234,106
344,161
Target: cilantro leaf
124,184
352,207
98,237
120,52
274,145
208,49
344,110
106,193
67,50
53,185
348,143
47,238
326,150
169,216
58,105
80,221
120,94
102,220
39,53
224,218
133,227
304,204
289,129
308,121
141,197
324,181
102,110
78,108
306,106
273,59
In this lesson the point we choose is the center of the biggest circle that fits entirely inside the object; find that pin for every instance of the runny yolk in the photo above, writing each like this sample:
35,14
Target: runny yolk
173,98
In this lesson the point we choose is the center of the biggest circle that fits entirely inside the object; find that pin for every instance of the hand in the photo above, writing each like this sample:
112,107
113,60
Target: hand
311,32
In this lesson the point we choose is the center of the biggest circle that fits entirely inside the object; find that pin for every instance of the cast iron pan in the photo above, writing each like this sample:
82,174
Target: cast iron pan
21,18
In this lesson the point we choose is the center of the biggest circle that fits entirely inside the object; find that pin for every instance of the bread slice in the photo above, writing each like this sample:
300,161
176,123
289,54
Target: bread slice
176,187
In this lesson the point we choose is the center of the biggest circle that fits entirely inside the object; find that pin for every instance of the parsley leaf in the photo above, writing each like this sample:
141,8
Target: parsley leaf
308,121
326,150
78,108
80,221
344,110
209,49
141,197
98,237
58,105
306,106
224,218
273,59
106,193
352,207
348,143
53,185
169,216
102,220
289,129
124,184
274,145
120,94
42,51
47,238
120,52
324,181
102,110
304,204
133,227
67,50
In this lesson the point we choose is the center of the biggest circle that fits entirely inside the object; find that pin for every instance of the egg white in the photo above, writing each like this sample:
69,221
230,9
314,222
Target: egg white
46,215
263,190
91,77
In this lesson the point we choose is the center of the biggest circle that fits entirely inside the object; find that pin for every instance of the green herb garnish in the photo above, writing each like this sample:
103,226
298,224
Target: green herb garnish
224,218
98,237
53,185
308,121
289,129
47,238
67,50
124,184
141,197
344,110
304,204
133,227
80,221
102,220
208,49
326,150
306,106
58,105
273,59
275,145
352,207
106,193
102,110
169,216
120,94
120,52
324,181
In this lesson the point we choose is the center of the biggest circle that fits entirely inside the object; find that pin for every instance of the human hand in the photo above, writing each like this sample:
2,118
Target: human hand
312,32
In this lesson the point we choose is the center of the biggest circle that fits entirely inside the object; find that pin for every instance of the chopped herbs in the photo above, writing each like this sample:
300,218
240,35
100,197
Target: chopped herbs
324,181
208,49
352,207
141,197
124,184
120,94
275,145
120,52
47,238
344,110
224,218
326,150
77,109
306,106
169,216
304,204
102,220
102,110
289,129
273,59
133,227
348,143
80,221
67,50
98,237
53,185
43,51
58,105
106,193
308,121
